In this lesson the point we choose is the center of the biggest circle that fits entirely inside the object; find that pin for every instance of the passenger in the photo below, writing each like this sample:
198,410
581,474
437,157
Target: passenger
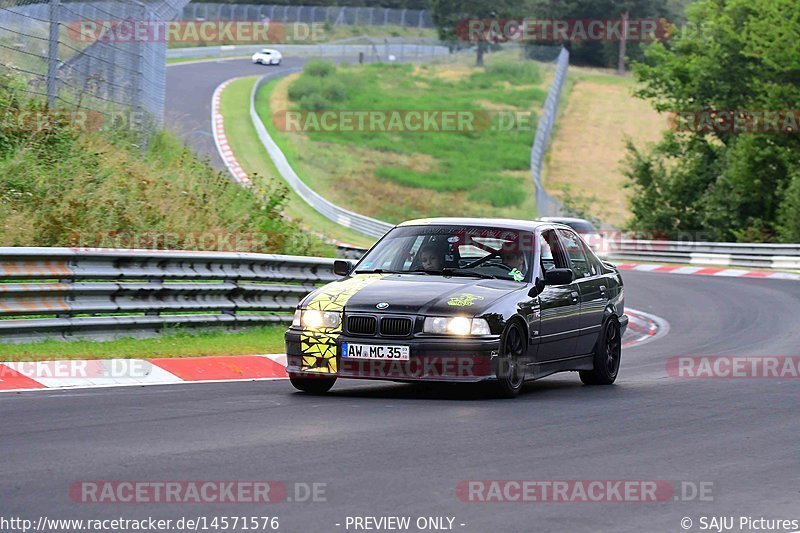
513,258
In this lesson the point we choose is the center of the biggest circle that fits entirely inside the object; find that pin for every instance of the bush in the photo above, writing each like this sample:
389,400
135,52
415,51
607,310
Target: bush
319,68
314,102
315,90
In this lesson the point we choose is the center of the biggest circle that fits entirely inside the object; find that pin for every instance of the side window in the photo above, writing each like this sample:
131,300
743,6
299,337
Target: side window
574,249
594,262
546,254
551,254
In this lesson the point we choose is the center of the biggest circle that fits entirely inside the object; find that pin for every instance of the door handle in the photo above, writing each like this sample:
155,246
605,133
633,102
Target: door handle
574,296
603,291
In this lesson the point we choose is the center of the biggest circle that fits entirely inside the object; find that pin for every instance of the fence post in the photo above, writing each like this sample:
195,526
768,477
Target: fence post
52,54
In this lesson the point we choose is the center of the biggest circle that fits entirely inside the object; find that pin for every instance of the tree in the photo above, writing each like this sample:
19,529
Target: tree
451,16
608,53
734,55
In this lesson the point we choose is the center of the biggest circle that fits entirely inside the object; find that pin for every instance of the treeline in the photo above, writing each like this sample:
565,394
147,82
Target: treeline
730,167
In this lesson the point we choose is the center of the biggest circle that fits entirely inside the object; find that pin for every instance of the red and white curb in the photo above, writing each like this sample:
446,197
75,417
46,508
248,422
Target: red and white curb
75,374
643,328
221,140
707,271
98,373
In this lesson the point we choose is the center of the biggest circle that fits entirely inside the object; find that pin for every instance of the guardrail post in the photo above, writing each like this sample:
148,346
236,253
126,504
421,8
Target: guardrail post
154,281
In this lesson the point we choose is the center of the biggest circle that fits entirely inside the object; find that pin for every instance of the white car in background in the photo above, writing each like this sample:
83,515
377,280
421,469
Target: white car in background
267,56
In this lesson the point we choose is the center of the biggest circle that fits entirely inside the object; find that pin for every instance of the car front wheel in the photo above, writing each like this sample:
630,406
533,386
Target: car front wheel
607,355
511,365
312,384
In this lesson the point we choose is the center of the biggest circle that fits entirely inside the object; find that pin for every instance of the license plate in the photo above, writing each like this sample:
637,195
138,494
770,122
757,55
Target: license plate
372,351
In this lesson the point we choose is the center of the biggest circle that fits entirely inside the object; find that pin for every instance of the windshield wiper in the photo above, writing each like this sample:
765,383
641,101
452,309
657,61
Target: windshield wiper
379,271
456,273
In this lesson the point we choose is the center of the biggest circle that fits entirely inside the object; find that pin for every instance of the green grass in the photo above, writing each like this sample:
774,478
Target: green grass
396,176
250,153
258,340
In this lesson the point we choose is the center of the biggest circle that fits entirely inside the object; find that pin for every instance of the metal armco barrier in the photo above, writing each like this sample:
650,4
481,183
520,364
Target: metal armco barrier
747,255
64,293
360,223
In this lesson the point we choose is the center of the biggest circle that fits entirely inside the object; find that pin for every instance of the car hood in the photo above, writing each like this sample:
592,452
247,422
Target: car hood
413,294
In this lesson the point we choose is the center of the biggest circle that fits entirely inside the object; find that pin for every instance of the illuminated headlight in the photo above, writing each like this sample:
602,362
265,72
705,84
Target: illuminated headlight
458,325
313,319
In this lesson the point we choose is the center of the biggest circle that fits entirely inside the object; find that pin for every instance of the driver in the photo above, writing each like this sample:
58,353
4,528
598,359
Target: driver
430,258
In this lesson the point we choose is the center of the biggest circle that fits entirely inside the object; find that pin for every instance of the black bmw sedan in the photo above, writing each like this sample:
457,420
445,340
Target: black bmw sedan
463,299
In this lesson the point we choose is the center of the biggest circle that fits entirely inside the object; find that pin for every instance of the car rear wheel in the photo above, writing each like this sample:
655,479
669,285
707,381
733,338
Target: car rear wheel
511,366
607,355
312,384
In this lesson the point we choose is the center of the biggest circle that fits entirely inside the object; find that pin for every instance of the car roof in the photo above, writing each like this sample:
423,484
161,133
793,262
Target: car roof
505,223
563,219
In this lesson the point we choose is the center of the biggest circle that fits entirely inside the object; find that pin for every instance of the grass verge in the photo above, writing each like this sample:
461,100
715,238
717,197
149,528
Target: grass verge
255,341
396,176
598,114
243,139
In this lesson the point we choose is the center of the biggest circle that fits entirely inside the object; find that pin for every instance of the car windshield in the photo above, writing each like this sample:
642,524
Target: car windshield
467,251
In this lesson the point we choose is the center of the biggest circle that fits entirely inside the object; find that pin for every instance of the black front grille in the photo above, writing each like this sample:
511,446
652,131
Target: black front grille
396,327
361,325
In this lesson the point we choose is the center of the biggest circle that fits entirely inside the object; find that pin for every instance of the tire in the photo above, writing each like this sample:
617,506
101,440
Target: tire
312,384
607,356
510,368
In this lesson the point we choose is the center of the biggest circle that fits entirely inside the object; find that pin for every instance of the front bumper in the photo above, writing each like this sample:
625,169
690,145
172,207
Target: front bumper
430,359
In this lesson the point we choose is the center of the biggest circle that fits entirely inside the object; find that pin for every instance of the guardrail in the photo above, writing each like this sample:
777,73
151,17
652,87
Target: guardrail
371,50
747,255
69,293
360,223
66,293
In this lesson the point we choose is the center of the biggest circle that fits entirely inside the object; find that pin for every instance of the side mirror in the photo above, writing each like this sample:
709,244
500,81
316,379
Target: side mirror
342,268
559,276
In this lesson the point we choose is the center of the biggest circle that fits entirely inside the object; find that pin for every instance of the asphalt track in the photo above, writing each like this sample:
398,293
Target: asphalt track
395,449
190,87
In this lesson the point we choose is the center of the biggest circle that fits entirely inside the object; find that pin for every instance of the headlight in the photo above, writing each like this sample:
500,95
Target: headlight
313,319
457,325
